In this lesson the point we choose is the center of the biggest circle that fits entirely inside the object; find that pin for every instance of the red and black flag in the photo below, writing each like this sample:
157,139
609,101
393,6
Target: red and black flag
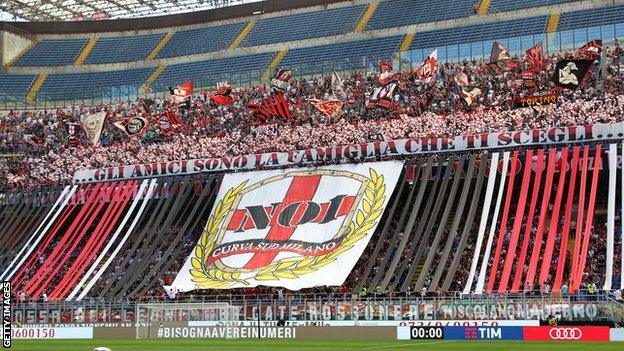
570,73
274,106
281,78
182,95
535,56
223,96
499,53
591,51
73,130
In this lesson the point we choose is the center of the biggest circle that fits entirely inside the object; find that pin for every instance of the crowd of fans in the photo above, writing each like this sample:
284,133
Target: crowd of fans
42,155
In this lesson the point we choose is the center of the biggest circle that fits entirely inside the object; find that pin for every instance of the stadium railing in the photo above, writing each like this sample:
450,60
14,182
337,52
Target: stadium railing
581,306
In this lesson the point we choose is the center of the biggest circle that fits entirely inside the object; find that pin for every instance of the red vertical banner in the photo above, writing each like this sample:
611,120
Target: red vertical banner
563,250
76,239
515,230
526,239
503,225
54,256
589,219
100,234
537,248
579,218
554,218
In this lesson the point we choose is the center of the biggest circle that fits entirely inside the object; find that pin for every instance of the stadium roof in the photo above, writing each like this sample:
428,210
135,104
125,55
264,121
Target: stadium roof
77,10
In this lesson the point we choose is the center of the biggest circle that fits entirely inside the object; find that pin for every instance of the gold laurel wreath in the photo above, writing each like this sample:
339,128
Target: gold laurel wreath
365,219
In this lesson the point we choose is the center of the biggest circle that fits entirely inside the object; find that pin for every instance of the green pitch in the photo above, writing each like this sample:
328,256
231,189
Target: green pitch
311,345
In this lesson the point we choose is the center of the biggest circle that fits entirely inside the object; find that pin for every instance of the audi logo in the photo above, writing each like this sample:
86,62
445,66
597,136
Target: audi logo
565,333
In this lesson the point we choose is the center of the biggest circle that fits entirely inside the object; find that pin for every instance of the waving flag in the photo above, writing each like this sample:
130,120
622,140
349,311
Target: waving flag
92,125
570,73
182,95
535,56
223,96
461,78
274,106
499,53
338,86
329,107
281,78
133,126
592,50
427,70
471,96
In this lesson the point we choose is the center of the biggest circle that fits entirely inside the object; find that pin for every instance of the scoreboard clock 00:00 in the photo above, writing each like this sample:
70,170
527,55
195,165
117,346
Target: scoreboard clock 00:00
426,333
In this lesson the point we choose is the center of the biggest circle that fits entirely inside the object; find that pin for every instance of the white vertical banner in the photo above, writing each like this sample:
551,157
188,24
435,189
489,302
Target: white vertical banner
622,223
484,217
488,248
294,228
611,215
40,232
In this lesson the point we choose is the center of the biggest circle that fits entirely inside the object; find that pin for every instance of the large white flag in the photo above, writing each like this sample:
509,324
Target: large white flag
92,124
294,228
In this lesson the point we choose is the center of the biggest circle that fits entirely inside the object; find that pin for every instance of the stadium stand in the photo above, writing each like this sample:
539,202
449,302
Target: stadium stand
201,40
16,84
302,26
53,52
591,17
344,56
212,71
480,32
123,49
396,13
511,5
87,85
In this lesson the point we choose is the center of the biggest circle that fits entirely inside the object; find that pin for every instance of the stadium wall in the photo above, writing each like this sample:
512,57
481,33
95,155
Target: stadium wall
12,45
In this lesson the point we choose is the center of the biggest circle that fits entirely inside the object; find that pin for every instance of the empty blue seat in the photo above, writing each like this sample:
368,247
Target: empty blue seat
510,5
202,40
348,55
16,84
86,85
56,52
304,25
479,32
212,71
395,13
123,49
591,17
